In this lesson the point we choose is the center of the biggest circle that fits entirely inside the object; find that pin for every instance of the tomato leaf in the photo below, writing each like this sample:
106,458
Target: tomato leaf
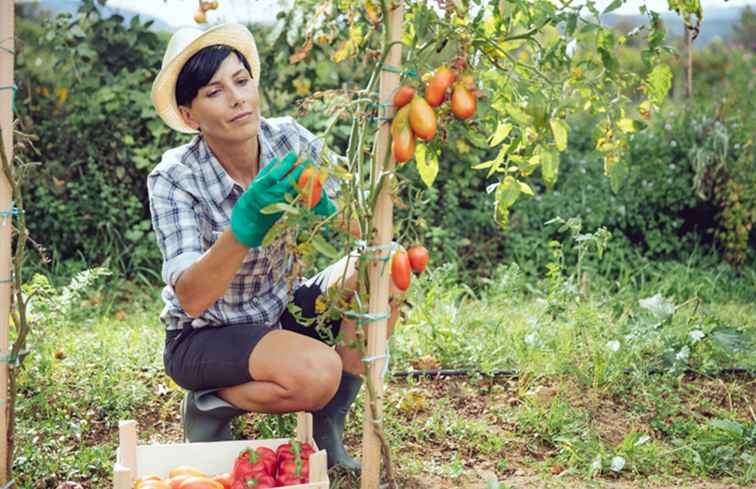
549,166
559,130
659,83
525,188
500,134
613,6
427,164
518,115
323,247
280,207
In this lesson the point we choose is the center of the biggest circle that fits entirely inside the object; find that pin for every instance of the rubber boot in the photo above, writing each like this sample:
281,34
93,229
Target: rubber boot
207,417
328,423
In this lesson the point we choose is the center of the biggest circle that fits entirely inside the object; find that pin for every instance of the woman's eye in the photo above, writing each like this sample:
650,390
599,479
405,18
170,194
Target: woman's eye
213,93
242,81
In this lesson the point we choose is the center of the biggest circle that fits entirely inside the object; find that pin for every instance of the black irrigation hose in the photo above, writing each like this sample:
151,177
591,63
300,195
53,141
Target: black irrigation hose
466,372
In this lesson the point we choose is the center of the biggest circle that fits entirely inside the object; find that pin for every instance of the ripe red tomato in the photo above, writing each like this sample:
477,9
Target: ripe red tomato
438,85
463,102
400,270
403,96
418,258
310,186
422,119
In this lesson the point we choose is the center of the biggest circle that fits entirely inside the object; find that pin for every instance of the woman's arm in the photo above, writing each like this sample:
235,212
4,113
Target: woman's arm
206,280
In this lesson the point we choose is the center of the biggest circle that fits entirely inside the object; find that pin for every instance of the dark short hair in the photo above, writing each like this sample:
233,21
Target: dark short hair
200,69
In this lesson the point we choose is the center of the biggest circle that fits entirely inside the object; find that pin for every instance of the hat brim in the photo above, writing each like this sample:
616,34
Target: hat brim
164,87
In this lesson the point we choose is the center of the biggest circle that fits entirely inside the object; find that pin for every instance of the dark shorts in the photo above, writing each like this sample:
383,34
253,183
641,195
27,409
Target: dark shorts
218,356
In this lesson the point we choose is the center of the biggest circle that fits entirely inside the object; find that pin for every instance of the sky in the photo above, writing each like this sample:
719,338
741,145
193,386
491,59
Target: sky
181,12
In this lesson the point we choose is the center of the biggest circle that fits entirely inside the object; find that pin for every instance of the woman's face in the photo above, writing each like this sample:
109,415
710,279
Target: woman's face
228,107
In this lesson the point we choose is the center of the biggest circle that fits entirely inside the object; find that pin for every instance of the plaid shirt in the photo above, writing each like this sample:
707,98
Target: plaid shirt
191,197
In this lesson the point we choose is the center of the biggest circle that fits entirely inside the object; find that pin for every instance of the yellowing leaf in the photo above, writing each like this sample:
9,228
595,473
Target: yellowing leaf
559,129
518,115
507,192
501,133
427,164
659,81
627,125
525,188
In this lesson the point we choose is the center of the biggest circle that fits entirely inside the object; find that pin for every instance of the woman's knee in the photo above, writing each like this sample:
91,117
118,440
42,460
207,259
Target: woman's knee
318,379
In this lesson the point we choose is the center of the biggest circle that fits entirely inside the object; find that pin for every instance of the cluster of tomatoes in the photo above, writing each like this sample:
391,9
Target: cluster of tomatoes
403,263
261,468
415,117
200,17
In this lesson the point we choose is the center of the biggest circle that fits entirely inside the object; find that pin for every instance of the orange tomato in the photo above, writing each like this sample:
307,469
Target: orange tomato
154,484
400,270
422,119
140,482
310,186
186,470
463,102
438,85
403,96
200,17
200,483
175,482
224,479
403,145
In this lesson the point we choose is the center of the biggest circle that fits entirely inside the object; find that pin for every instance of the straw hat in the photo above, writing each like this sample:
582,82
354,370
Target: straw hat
184,43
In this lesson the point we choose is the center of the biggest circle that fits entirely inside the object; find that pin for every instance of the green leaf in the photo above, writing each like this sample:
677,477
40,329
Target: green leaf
518,115
427,164
659,81
613,6
549,166
732,427
617,171
324,247
559,129
501,133
730,339
507,192
280,207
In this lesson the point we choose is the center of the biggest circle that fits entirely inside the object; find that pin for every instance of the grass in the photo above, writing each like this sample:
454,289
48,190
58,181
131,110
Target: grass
604,391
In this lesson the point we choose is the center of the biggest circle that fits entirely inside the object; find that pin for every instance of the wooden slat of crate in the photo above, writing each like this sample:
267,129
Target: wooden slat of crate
136,461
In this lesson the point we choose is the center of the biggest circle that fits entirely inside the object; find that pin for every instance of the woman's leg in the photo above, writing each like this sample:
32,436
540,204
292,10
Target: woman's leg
291,372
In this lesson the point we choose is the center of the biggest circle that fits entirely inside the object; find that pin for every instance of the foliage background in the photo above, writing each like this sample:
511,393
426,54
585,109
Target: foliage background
84,91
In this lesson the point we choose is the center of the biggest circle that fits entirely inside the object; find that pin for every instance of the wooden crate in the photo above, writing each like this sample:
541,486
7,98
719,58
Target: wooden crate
136,461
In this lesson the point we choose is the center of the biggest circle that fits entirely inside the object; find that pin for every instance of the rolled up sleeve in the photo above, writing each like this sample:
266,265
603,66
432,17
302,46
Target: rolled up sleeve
174,220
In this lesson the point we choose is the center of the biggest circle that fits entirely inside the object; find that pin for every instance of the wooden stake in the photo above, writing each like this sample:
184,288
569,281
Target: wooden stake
7,46
378,274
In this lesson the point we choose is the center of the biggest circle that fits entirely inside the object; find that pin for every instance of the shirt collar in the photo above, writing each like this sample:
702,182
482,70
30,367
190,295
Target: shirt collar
213,171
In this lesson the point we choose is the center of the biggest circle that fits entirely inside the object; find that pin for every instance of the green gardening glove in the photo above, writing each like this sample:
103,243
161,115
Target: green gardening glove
248,224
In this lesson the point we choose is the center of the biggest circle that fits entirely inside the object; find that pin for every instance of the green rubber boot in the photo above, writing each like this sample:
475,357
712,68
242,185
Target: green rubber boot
328,423
207,417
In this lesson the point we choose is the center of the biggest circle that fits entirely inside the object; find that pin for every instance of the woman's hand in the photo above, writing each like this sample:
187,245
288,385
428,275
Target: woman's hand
248,224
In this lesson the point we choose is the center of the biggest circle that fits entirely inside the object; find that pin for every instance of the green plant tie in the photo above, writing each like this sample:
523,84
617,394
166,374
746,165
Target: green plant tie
397,69
373,252
365,317
13,95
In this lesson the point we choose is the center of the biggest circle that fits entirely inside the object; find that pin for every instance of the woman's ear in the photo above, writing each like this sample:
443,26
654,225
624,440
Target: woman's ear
186,115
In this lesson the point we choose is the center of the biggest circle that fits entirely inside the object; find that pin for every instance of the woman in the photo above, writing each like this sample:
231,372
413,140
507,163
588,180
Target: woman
230,339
